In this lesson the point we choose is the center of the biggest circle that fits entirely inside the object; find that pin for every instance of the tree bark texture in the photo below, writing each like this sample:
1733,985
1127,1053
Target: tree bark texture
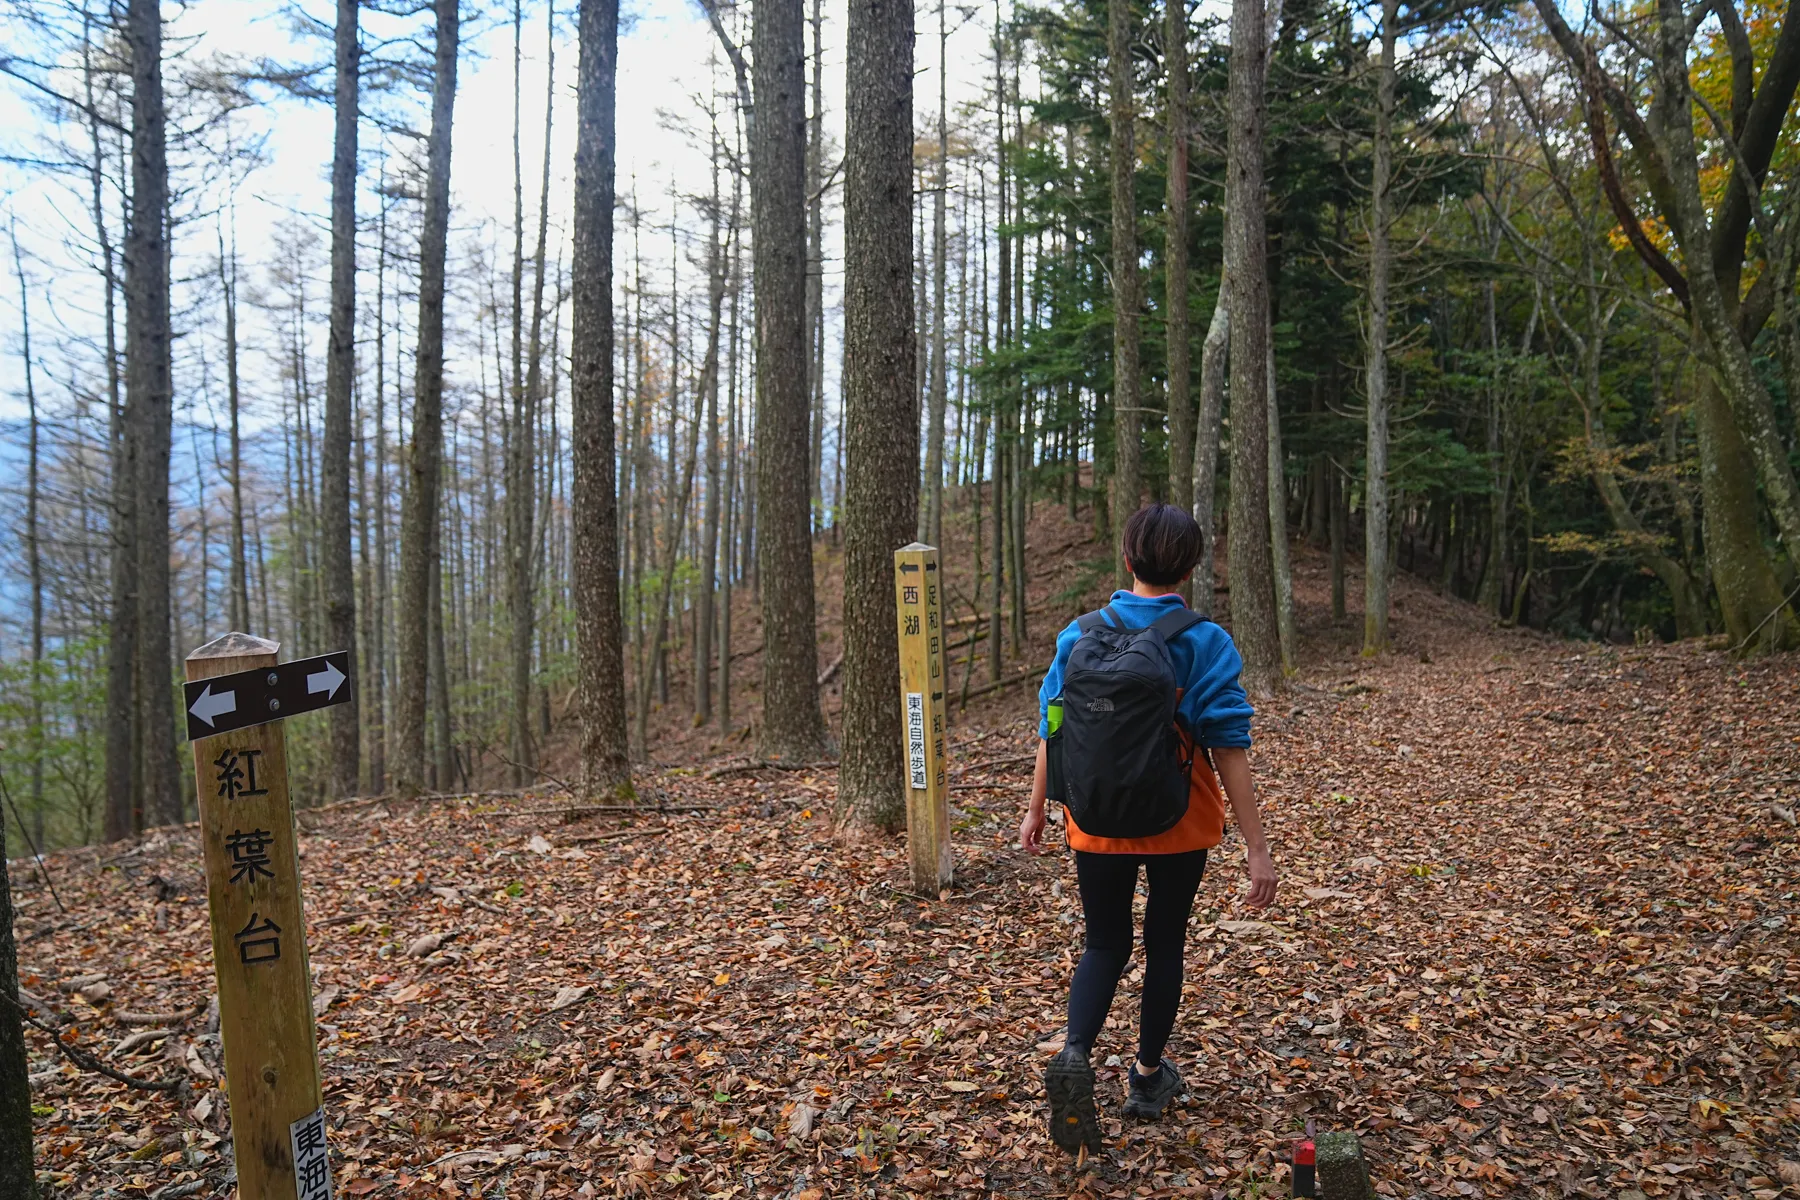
149,378
124,771
881,422
523,534
599,634
1213,354
931,524
18,1175
1749,593
1126,286
1175,259
1714,265
1278,532
419,507
1246,263
1377,576
340,370
792,727
815,266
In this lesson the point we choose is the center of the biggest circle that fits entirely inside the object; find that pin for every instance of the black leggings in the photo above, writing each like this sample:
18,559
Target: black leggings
1108,882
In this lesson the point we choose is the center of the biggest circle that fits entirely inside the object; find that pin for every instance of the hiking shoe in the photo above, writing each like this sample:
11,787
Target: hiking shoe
1150,1096
1069,1083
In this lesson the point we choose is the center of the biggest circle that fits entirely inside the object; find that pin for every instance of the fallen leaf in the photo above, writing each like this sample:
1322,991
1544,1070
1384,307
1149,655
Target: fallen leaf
427,944
568,997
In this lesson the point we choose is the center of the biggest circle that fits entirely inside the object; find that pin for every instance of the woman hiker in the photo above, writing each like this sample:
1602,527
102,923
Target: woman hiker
1140,720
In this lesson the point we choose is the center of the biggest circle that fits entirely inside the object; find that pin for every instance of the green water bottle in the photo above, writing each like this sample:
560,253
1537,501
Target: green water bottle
1055,715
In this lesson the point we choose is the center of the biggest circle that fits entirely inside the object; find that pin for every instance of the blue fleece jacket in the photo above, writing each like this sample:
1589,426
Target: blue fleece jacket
1213,708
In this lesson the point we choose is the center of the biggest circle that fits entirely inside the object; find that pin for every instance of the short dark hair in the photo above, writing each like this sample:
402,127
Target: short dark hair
1162,543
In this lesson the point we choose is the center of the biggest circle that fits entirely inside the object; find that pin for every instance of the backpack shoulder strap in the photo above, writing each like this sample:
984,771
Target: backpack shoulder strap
1173,625
1088,622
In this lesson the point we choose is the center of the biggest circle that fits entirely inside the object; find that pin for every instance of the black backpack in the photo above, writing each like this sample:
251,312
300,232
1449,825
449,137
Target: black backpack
1116,761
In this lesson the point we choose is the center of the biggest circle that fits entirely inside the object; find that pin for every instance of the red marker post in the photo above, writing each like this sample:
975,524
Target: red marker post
1303,1169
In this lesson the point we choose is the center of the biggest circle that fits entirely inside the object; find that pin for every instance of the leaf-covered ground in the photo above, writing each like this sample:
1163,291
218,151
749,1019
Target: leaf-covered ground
1535,938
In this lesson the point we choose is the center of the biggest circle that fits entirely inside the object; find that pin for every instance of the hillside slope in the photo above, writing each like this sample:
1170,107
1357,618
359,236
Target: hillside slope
1534,938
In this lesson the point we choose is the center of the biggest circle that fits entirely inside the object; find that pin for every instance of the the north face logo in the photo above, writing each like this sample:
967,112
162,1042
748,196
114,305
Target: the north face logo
1100,704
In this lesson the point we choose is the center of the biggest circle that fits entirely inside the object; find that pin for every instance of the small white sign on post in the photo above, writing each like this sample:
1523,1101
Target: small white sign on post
312,1165
915,739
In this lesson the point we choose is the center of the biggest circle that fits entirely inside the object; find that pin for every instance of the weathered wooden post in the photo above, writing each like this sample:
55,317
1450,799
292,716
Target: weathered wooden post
916,591
236,696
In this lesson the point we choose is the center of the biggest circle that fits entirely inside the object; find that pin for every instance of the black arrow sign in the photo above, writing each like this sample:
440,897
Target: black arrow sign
227,702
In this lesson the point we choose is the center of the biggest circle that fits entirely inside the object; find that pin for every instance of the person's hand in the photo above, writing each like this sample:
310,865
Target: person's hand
1031,829
1262,879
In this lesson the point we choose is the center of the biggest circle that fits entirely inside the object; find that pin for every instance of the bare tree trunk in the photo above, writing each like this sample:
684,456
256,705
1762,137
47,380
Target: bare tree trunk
730,499
240,588
599,653
1181,400
443,749
1377,575
1278,532
1122,148
1213,353
375,684
419,508
340,367
931,526
792,726
18,1175
1495,568
1340,534
1746,586
881,420
720,275
815,262
521,479
1019,419
150,380
1001,391
34,560
1246,263
124,796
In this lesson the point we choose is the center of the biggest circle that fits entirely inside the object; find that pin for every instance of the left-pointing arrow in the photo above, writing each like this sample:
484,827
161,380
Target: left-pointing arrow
208,706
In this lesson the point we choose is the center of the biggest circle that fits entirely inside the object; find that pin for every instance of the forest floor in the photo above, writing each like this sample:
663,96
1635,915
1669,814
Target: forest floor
1535,937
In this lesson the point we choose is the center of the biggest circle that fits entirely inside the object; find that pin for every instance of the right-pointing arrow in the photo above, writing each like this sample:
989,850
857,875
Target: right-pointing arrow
326,681
208,706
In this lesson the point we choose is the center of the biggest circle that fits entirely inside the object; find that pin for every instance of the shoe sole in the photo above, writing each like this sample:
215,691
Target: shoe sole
1073,1121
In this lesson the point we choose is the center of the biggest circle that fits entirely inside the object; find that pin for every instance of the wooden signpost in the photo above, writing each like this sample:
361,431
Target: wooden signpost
258,931
917,589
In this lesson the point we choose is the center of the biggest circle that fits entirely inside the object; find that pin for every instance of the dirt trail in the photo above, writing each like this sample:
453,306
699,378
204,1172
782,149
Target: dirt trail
1535,938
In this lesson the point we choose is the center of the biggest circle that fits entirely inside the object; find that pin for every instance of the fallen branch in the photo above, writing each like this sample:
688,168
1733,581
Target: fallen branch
583,809
140,1038
87,1062
826,675
997,685
1010,761
764,764
1729,941
617,834
539,772
158,1018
